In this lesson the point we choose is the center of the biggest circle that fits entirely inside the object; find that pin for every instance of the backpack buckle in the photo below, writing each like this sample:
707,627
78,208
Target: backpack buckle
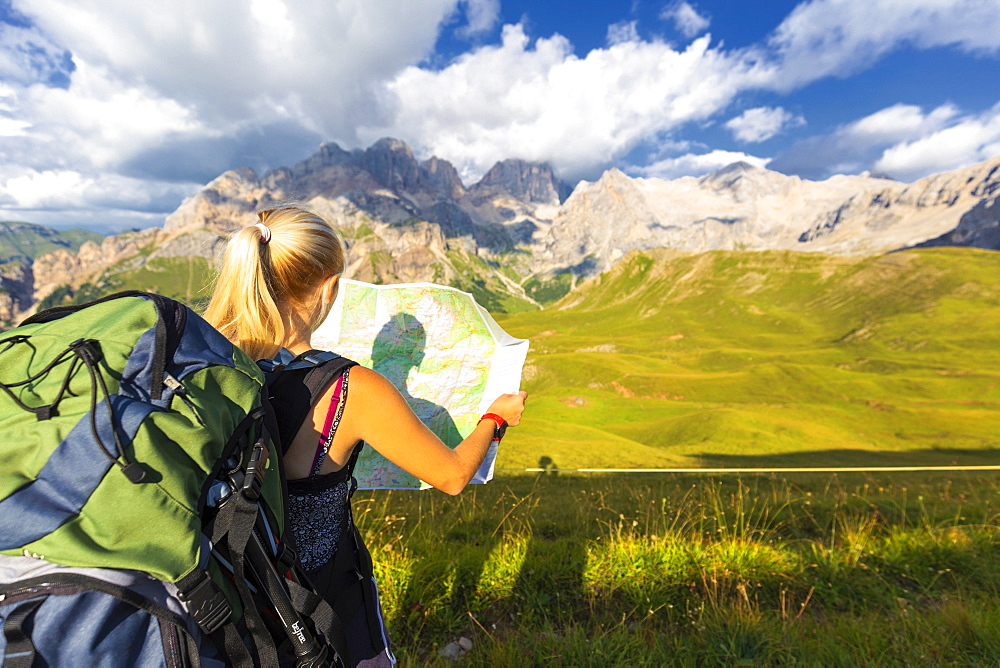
253,479
206,604
286,557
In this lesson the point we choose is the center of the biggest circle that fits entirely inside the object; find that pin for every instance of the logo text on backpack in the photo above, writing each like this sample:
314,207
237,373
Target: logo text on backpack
297,630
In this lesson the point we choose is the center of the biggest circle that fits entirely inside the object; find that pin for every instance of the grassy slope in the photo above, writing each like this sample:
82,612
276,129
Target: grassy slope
27,241
768,358
182,278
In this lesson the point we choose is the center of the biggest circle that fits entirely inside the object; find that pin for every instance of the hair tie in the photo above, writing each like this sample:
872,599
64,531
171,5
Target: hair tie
265,232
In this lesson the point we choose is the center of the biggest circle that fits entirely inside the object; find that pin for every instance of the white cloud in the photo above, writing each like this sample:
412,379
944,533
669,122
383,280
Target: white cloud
903,141
541,102
839,37
46,194
98,121
10,127
970,139
623,31
195,73
50,187
899,121
686,18
313,60
27,55
762,123
481,16
697,164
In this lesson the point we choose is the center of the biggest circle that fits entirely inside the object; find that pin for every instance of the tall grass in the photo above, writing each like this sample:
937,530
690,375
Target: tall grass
728,570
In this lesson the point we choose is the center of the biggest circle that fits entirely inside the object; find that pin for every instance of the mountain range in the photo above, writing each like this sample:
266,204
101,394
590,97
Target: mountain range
519,237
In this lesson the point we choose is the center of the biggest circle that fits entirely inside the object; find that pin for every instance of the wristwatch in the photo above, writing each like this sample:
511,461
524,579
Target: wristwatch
501,425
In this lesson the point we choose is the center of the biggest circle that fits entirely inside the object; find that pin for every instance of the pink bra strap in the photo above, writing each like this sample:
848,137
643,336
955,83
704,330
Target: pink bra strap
333,415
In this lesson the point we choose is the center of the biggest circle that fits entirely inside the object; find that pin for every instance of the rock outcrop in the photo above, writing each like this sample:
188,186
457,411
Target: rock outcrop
66,268
16,290
525,181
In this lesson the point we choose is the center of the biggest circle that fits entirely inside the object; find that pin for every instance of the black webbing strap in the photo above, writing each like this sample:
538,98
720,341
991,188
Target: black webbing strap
188,656
235,522
319,377
237,654
325,620
20,651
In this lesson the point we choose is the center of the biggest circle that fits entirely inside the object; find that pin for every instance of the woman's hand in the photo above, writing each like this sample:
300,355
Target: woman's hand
509,407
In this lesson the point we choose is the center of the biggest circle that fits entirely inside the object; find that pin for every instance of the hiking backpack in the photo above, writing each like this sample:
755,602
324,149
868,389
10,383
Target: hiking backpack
142,498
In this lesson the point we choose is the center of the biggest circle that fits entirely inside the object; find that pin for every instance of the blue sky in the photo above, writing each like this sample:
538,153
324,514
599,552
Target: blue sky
112,111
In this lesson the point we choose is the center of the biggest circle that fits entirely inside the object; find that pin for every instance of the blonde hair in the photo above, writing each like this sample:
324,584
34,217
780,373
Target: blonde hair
261,278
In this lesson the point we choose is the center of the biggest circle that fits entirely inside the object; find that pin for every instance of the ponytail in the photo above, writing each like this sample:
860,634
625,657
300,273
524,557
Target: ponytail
271,268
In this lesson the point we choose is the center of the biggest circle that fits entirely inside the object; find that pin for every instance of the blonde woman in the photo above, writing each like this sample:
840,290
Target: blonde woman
277,283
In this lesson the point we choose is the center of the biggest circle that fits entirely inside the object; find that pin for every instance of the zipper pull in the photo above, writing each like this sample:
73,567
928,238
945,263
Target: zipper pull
181,391
174,384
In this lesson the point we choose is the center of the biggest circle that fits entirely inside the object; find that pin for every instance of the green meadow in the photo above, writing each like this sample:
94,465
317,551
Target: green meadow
767,359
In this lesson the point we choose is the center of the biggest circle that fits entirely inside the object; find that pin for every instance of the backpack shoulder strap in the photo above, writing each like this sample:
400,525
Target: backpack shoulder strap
295,387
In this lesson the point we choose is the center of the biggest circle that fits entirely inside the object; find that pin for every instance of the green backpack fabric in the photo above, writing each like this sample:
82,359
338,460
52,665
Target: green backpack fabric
134,436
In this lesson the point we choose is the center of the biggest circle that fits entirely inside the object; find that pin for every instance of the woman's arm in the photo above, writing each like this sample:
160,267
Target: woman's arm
377,413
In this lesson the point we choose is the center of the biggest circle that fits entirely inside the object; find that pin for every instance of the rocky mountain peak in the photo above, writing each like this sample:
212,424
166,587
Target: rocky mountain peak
404,219
220,205
392,164
745,181
614,182
443,178
526,181
329,154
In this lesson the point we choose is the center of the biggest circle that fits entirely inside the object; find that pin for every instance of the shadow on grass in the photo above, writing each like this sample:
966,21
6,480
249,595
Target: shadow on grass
845,457
524,564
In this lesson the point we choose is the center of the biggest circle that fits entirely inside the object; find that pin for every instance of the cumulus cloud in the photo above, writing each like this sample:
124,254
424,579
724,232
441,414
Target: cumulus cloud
686,18
481,16
903,141
308,60
839,37
696,164
970,139
542,102
762,123
203,76
623,31
105,202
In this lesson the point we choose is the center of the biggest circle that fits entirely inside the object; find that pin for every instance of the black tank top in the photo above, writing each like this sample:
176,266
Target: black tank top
328,543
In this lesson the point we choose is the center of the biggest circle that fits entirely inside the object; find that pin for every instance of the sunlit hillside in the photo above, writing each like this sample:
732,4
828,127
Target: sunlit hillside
768,358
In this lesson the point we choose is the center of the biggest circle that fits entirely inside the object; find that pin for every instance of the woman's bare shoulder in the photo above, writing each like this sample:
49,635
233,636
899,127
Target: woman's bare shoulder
373,389
366,377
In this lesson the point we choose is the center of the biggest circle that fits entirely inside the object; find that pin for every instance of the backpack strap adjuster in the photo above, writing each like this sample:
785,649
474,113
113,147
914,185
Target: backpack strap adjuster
205,602
253,479
286,557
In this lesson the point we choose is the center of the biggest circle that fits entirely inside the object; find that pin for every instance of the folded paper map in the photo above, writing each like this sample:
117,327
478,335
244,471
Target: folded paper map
443,351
